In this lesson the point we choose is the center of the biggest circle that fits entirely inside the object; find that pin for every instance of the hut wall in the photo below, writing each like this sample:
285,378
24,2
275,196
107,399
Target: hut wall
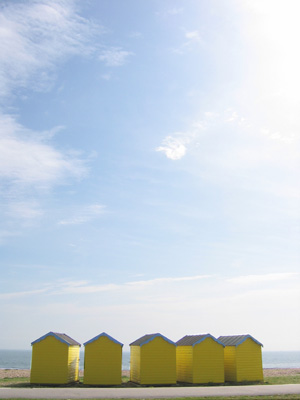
49,362
73,363
230,363
135,364
208,362
249,361
103,362
158,362
184,364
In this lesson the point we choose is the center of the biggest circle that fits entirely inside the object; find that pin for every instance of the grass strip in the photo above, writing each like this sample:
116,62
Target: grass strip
275,397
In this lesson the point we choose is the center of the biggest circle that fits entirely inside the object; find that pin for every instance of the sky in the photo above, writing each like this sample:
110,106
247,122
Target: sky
149,169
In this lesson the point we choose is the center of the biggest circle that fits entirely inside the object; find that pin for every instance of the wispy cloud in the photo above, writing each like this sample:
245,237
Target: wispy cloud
13,295
114,57
192,40
174,147
5,234
175,10
170,12
157,308
167,280
26,210
288,137
82,287
253,279
258,149
193,36
84,215
34,37
85,287
28,160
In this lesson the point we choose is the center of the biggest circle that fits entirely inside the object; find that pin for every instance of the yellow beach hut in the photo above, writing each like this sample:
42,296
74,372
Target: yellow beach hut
200,359
242,358
55,359
153,360
103,361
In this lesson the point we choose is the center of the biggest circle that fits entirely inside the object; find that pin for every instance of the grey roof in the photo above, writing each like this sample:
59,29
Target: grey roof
192,340
147,338
236,340
60,336
103,334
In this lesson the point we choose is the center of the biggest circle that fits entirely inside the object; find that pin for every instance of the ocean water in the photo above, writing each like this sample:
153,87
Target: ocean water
281,359
21,359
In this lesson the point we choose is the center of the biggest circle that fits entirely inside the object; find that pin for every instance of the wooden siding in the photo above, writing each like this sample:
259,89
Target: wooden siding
135,364
243,362
249,361
49,362
230,363
184,363
208,362
73,363
201,363
158,362
102,362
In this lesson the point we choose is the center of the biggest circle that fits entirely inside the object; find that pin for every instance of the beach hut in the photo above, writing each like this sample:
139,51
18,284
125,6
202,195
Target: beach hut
55,359
153,360
200,359
242,358
103,361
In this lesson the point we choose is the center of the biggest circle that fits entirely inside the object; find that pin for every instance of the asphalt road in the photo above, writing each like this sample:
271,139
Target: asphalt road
146,393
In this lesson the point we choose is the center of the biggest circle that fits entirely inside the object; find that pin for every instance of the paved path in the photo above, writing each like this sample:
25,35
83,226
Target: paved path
146,393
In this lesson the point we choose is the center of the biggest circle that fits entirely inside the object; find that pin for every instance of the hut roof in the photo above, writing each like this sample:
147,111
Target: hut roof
147,338
62,337
103,334
236,340
192,340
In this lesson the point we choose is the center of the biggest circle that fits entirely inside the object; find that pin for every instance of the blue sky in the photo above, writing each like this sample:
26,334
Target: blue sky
149,169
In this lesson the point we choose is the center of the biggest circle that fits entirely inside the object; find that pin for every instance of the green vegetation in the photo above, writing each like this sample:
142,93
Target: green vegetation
13,381
271,380
24,382
275,380
279,397
282,380
19,382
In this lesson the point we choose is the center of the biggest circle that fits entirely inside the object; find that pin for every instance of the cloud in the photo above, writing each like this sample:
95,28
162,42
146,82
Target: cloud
253,279
27,159
192,40
167,280
13,295
175,146
34,37
26,210
84,215
5,234
161,303
235,143
114,57
84,287
172,11
288,137
175,10
193,36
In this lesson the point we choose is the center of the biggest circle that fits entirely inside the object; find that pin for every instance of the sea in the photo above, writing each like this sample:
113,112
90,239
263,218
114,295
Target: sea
21,359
